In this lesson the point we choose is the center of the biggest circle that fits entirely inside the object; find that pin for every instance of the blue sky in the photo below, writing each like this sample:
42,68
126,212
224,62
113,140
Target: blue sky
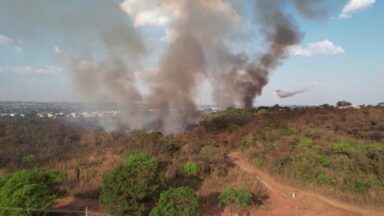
340,57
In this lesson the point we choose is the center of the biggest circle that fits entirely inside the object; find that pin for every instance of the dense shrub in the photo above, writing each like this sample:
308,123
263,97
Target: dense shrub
214,160
343,103
191,168
143,141
239,199
212,153
181,201
345,148
29,189
127,187
338,149
224,119
249,139
169,147
322,178
305,142
27,143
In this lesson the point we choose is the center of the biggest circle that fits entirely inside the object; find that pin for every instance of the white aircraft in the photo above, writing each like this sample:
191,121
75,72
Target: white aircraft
286,94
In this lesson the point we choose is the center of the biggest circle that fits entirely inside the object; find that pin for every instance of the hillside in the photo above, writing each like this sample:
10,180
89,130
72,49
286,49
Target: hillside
338,153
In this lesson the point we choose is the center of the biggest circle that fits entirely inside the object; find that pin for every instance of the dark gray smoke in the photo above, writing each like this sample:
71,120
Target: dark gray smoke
279,32
78,23
312,8
105,52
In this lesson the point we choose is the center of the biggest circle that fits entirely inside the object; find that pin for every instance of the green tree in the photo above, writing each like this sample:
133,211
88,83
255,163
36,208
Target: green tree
181,201
29,189
239,199
127,187
343,103
191,168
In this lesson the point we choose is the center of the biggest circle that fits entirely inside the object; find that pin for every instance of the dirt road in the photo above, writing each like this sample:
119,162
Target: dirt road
288,200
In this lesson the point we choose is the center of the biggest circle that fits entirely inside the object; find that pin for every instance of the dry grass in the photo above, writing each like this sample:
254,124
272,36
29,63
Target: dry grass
86,155
236,178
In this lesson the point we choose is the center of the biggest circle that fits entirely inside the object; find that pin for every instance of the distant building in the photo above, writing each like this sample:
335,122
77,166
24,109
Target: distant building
349,107
380,104
215,109
59,115
71,115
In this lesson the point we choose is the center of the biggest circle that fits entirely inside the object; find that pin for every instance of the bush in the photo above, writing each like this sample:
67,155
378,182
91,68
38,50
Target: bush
322,178
344,148
131,184
305,142
169,147
248,139
343,103
359,186
235,198
224,119
29,159
181,201
325,161
214,160
29,189
211,153
191,168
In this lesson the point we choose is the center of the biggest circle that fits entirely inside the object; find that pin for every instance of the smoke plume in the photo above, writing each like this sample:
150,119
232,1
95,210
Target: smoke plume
106,51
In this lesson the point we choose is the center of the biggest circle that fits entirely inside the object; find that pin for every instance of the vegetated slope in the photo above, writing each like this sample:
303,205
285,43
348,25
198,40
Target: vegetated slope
92,154
340,152
285,198
30,142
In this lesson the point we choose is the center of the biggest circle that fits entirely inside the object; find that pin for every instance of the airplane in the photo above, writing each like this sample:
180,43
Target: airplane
286,94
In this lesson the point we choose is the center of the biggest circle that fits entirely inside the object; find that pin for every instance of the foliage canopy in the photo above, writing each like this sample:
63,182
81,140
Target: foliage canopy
181,201
191,168
29,189
236,198
127,187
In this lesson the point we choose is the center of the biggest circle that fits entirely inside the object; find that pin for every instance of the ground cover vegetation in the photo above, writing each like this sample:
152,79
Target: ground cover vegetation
336,151
340,151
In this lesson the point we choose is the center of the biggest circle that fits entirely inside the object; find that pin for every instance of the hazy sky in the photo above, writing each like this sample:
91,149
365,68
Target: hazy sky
340,57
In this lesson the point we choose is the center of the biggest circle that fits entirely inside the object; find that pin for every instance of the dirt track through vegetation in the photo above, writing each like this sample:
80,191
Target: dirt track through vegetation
288,200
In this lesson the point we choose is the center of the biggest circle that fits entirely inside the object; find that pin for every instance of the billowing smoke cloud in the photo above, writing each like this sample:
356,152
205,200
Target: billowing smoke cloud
280,32
312,8
198,48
